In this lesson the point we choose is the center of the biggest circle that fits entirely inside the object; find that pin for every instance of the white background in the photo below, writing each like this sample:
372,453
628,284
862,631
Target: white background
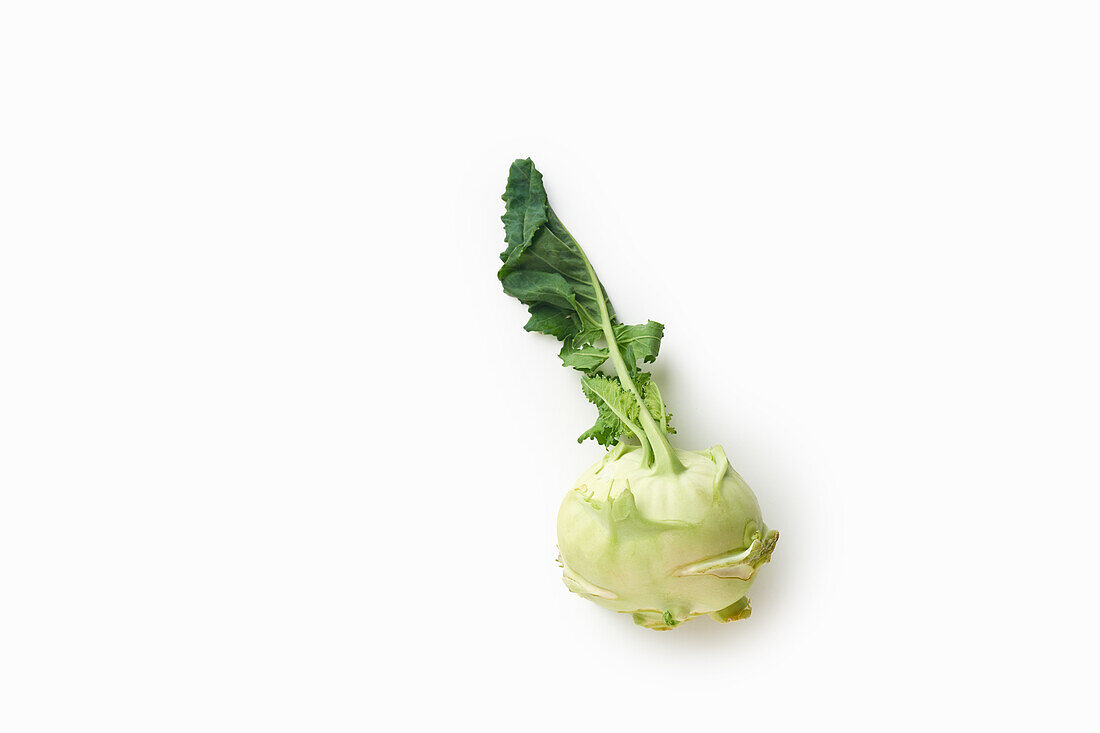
276,454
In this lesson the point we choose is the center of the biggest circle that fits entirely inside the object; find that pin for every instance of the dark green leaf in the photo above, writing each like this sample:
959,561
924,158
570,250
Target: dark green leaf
544,267
546,270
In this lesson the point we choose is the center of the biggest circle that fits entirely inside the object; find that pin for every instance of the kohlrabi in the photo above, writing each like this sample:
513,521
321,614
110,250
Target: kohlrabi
651,530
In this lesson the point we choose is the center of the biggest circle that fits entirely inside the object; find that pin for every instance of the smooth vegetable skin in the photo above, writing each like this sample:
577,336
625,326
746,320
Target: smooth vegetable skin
663,534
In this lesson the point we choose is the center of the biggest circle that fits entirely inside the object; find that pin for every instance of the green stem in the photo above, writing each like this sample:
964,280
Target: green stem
660,450
655,446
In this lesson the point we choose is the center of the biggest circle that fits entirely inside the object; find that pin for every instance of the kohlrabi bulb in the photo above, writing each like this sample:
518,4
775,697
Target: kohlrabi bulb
663,547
